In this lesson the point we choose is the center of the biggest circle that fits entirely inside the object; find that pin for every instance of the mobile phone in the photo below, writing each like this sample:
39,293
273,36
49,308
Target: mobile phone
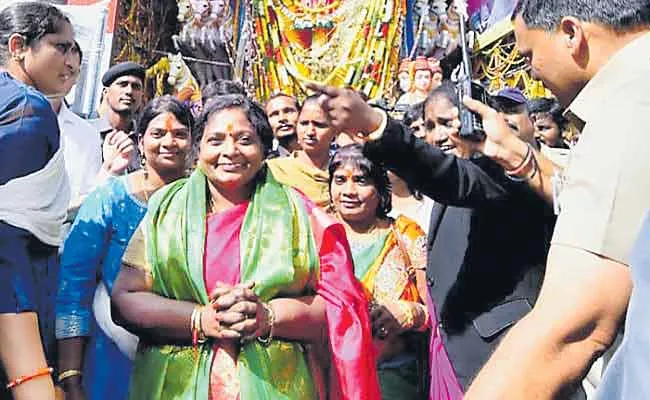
471,126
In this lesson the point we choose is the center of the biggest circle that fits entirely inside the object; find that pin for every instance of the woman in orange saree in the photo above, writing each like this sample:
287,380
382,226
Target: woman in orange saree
389,260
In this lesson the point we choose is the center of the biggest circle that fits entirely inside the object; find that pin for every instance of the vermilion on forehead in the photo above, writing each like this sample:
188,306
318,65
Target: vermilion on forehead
166,122
233,133
349,172
230,129
169,122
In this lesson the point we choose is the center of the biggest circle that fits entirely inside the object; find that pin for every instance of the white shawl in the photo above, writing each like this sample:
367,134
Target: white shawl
38,202
125,340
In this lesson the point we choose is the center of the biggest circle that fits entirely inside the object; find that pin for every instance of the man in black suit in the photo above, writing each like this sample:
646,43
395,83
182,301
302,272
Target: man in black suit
488,237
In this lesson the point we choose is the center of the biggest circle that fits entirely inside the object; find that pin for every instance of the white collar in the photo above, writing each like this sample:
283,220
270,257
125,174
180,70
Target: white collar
66,116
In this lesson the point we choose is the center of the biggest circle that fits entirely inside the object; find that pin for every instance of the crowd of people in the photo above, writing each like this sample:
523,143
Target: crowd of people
321,248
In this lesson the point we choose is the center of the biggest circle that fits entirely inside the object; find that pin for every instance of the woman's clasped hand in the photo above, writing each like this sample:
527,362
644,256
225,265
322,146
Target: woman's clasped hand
235,313
390,319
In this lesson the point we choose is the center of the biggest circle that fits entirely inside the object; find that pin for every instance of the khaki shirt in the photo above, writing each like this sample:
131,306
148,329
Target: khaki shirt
606,189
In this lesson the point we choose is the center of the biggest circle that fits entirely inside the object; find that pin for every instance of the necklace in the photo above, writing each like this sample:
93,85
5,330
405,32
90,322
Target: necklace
145,192
211,204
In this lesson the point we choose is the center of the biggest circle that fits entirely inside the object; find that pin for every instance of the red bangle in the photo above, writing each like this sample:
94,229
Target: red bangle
525,162
25,378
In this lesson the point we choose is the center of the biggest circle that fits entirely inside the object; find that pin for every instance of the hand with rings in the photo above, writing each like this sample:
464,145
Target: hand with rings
240,312
386,320
210,323
382,333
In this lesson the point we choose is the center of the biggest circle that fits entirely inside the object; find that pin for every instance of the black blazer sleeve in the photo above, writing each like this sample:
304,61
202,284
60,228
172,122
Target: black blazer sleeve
444,178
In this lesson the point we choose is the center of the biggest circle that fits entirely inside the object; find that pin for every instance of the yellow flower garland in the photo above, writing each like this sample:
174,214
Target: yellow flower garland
351,43
502,65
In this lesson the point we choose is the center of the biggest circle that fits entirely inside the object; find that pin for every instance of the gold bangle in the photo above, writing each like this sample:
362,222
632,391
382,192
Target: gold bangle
193,320
69,373
199,325
196,325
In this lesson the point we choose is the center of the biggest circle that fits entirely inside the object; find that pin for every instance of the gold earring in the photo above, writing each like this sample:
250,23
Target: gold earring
18,57
143,164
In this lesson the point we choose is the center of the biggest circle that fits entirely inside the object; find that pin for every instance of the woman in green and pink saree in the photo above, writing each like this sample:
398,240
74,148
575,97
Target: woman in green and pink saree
238,286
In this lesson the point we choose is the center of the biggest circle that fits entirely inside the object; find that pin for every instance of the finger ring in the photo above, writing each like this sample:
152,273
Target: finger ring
383,332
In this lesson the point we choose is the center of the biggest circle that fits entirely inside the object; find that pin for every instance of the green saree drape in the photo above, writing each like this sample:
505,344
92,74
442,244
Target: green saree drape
278,253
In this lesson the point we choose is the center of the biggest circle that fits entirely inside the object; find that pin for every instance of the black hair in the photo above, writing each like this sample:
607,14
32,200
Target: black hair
254,112
620,15
446,90
413,113
220,87
352,154
550,106
32,20
161,105
282,94
313,98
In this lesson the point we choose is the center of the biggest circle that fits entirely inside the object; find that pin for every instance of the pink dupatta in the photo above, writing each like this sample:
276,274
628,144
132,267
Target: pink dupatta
444,385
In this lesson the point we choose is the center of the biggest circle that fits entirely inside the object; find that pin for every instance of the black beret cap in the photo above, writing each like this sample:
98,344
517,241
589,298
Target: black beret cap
122,69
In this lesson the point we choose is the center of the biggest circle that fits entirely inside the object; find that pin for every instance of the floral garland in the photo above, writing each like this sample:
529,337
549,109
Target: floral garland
344,43
501,65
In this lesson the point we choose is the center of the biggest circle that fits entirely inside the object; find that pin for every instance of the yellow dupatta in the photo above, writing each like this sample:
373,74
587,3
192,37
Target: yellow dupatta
313,182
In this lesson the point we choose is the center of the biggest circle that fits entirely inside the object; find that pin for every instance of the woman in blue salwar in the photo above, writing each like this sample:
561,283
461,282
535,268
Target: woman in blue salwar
95,354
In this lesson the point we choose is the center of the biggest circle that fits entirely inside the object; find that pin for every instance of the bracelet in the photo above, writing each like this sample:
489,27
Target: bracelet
193,320
202,338
68,374
196,320
519,169
25,378
270,318
531,174
196,328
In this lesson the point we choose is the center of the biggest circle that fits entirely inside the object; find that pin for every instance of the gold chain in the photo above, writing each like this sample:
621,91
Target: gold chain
143,182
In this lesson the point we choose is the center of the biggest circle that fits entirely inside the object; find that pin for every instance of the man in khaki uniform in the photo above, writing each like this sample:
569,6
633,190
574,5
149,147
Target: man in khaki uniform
595,57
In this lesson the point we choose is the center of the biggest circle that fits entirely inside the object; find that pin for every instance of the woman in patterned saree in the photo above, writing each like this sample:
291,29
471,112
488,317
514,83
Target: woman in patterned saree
389,260
231,275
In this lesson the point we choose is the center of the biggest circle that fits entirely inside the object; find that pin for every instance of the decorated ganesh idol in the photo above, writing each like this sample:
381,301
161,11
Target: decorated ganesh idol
427,76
